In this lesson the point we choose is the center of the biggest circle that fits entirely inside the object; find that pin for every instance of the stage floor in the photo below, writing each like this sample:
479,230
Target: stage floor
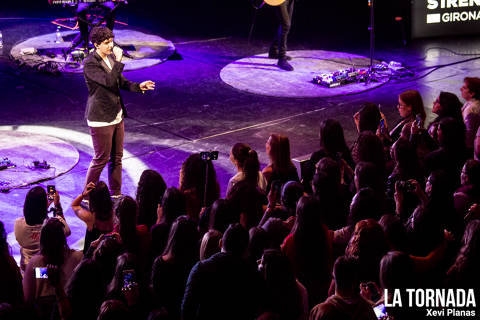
193,110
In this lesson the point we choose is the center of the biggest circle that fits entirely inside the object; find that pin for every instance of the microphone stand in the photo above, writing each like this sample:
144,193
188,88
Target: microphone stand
371,29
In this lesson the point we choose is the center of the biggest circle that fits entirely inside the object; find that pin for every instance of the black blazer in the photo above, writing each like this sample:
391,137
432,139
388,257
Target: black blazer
104,100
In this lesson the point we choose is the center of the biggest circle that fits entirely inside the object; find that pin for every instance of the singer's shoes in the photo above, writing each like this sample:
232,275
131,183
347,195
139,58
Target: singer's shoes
284,65
275,55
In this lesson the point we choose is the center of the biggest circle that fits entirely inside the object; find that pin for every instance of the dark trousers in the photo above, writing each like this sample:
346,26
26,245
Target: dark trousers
108,148
83,25
284,13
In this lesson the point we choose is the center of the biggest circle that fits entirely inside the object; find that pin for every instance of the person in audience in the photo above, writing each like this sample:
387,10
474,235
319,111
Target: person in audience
451,154
367,244
309,249
129,286
246,202
464,271
245,198
250,173
368,118
446,105
367,175
114,310
334,196
87,286
292,191
398,270
53,251
410,108
346,303
286,297
369,148
471,109
150,190
221,216
277,230
172,206
257,243
27,228
332,145
7,312
284,205
192,183
406,167
248,167
170,271
98,217
281,166
224,286
395,232
469,191
135,238
11,290
363,206
211,244
435,212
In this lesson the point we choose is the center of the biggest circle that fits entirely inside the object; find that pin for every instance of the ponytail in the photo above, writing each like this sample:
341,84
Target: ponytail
250,167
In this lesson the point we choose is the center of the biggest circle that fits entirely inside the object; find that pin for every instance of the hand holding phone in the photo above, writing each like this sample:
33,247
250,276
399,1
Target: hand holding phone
130,288
418,120
275,192
51,192
88,188
129,279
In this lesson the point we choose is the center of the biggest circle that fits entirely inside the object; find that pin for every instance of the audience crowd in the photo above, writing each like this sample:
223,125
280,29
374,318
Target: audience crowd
398,209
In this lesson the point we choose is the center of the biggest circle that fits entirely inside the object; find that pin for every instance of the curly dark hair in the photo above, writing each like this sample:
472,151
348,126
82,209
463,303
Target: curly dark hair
100,34
369,244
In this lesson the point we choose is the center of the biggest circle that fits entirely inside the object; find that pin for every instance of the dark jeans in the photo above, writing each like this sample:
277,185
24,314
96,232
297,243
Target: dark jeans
284,13
108,147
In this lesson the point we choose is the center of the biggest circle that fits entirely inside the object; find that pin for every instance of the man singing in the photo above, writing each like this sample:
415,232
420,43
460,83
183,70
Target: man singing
105,109
278,49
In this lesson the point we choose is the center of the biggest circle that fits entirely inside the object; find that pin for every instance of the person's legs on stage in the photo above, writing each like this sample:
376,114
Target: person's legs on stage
102,145
82,22
82,19
111,14
278,50
115,163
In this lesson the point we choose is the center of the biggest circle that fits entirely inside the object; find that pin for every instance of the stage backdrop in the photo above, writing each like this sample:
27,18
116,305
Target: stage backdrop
445,17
